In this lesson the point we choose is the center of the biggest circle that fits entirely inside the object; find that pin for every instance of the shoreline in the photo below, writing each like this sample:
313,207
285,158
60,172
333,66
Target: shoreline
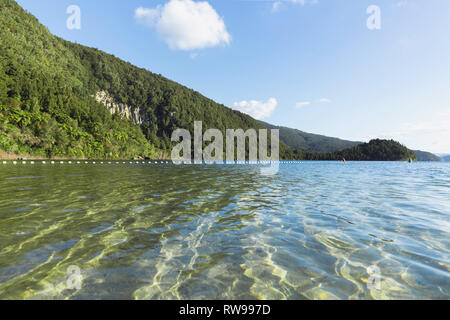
24,157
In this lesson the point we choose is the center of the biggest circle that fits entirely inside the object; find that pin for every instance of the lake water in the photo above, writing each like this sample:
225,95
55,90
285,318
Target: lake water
160,231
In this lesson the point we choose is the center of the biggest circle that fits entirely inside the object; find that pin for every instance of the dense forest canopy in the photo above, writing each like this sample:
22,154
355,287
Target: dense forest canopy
48,107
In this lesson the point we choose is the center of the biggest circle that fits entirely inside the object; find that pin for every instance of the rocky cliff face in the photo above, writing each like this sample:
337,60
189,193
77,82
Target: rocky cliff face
125,111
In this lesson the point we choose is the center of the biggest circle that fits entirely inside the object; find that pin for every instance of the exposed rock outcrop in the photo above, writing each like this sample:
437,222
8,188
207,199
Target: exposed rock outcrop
125,111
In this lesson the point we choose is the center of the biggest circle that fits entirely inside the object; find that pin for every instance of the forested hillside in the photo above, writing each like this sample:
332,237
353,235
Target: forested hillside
426,156
312,142
46,108
375,150
48,105
317,143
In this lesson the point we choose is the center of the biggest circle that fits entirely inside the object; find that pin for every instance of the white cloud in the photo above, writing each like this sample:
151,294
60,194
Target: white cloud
401,4
257,109
303,104
300,105
186,24
277,4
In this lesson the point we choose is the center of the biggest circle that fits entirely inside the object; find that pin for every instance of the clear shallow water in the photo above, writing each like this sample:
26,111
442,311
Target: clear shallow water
225,232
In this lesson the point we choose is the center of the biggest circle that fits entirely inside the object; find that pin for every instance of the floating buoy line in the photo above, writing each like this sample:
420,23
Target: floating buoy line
154,162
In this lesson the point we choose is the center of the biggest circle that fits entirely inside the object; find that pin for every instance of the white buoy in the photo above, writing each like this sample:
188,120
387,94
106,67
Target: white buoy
4,162
31,162
14,162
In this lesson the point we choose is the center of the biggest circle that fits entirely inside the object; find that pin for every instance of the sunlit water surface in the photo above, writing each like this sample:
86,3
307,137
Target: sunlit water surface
225,232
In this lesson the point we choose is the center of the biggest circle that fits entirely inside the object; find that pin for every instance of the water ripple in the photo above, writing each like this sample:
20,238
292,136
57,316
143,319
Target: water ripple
226,232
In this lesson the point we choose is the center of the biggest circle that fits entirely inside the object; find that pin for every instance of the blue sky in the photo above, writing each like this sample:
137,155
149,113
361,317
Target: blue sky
313,65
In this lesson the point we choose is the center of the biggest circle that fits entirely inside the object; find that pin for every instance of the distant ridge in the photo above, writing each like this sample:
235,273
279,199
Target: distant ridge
298,139
312,142
427,156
